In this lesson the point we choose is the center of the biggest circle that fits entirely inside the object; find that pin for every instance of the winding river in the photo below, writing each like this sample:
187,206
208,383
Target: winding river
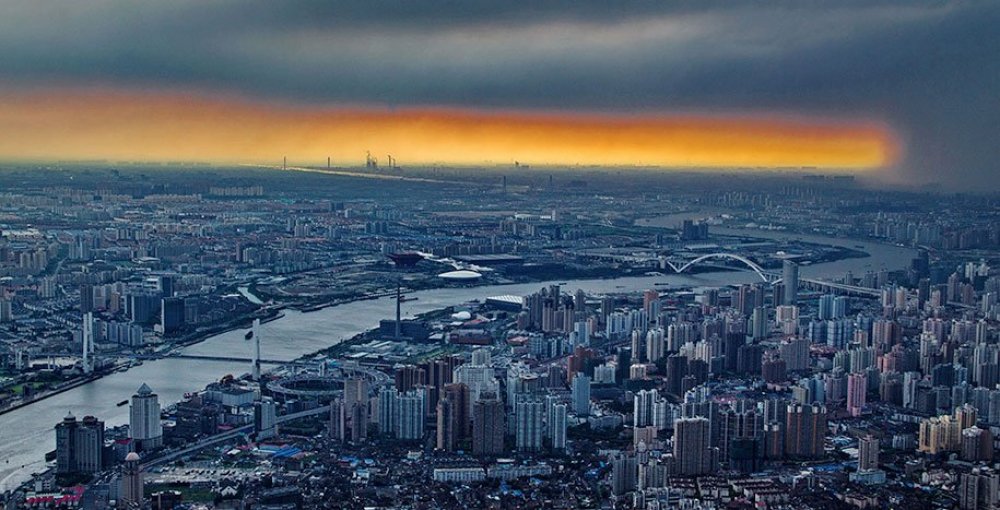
27,433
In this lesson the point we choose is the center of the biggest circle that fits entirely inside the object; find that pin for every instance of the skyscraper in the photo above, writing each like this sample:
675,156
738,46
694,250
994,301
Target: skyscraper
79,445
458,393
979,490
642,407
265,418
144,419
977,445
338,420
411,415
388,411
805,430
488,427
624,473
446,437
760,324
581,395
790,281
358,414
868,451
692,450
171,314
557,426
355,390
857,391
528,415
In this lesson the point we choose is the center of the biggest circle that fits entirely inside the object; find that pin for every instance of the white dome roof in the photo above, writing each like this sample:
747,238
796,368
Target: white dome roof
463,274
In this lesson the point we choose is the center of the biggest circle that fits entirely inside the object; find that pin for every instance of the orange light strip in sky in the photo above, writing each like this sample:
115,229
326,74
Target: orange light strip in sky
115,125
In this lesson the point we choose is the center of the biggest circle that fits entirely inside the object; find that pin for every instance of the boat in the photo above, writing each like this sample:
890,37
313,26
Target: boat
123,402
407,299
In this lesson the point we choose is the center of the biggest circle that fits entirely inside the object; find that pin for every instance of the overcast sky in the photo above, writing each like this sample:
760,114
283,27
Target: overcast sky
930,70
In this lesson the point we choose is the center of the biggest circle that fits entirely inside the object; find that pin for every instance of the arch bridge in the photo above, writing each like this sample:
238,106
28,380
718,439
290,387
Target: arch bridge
774,278
764,275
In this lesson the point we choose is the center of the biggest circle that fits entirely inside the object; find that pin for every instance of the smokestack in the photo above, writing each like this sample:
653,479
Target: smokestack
328,162
284,163
505,185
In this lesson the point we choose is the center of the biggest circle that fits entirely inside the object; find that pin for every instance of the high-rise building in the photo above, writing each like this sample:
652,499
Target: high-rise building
795,352
358,415
388,411
144,419
977,445
265,418
868,452
642,408
624,473
939,434
675,371
488,427
655,344
790,281
458,393
741,437
805,430
79,445
446,436
166,285
412,407
759,323
581,395
857,391
355,390
87,298
979,490
557,426
528,418
692,446
131,482
338,420
171,314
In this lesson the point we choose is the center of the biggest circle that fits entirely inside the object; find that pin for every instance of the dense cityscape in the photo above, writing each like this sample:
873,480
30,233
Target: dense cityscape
546,254
791,342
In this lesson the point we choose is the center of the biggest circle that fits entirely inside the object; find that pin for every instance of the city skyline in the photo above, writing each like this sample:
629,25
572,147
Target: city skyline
546,255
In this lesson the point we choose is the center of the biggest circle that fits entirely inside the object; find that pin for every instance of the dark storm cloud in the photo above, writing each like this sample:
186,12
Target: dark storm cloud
930,69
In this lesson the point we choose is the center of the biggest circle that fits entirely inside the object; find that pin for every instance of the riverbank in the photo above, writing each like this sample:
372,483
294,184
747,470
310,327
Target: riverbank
69,385
27,434
275,312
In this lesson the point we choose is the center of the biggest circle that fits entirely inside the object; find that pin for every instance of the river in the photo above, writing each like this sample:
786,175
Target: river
27,433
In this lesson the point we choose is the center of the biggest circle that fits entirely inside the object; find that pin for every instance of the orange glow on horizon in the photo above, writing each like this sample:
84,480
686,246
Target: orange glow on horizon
172,127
